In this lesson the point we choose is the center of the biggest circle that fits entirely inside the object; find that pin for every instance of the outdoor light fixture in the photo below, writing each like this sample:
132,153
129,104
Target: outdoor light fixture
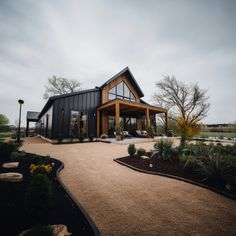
18,134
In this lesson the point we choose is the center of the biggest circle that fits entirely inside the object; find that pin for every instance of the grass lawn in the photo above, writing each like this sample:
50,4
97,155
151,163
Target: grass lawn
218,134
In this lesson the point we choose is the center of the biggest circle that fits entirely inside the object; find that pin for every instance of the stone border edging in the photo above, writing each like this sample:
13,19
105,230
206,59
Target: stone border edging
86,215
178,178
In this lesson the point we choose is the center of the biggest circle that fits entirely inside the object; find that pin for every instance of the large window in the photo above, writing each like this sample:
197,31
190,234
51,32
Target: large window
121,91
74,124
84,124
78,124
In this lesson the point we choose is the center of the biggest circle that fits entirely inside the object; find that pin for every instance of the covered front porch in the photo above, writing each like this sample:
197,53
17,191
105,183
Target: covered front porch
132,115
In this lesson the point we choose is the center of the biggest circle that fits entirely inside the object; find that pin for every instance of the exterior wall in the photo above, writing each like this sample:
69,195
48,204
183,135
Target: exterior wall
42,127
114,83
82,102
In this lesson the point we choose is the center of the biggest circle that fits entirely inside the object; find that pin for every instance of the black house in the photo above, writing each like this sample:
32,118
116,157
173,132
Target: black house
97,111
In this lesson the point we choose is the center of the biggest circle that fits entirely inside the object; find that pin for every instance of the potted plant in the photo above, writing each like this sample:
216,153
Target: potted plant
118,133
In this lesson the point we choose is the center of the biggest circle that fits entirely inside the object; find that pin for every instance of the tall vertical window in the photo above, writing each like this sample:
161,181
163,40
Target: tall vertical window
79,124
121,91
84,124
74,124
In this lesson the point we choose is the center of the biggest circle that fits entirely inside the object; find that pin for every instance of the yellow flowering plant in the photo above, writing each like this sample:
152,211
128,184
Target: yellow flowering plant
47,168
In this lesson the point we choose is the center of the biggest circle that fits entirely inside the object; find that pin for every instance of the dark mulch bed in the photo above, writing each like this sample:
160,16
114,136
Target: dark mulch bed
13,214
173,168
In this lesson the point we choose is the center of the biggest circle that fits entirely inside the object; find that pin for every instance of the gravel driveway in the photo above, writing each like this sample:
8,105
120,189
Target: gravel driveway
122,201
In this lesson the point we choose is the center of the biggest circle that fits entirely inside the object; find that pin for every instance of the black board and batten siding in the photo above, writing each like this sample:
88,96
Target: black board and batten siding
44,126
86,101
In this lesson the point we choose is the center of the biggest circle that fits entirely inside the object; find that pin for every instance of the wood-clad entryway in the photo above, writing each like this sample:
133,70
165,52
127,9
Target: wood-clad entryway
121,108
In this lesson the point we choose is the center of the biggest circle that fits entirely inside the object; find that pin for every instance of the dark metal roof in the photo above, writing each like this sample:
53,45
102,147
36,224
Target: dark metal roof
53,98
126,71
32,115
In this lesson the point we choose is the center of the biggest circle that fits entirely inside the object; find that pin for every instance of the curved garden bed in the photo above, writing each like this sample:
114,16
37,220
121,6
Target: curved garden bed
65,208
173,170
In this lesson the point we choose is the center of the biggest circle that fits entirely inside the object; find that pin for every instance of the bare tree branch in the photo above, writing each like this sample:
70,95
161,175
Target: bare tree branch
60,85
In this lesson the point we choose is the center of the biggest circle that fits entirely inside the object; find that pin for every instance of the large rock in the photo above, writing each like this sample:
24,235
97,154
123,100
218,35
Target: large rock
58,230
10,165
11,177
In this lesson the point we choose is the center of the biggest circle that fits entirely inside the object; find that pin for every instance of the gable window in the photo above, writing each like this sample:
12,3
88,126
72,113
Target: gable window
121,91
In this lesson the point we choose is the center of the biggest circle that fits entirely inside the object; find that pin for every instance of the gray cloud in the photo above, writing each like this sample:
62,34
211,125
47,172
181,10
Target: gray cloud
92,40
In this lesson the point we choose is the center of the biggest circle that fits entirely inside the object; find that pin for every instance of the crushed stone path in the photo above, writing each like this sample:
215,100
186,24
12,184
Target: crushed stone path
122,201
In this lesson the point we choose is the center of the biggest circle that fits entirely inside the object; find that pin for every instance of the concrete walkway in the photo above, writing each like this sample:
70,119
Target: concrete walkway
125,202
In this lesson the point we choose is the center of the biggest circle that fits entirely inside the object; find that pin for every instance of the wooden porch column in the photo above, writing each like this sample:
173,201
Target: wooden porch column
166,123
117,113
139,124
147,118
98,123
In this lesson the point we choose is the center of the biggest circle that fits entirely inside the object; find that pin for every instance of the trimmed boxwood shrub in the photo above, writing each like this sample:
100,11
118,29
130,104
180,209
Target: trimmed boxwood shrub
5,150
39,197
131,150
141,152
17,156
40,230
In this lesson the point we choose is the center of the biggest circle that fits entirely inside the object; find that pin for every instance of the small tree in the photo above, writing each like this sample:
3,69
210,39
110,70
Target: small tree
39,197
187,129
3,120
186,101
60,85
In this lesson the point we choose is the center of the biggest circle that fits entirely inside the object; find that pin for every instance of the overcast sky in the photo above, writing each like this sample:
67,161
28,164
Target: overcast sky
92,40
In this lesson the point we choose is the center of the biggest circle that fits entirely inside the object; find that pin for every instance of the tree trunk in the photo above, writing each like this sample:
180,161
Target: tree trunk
182,143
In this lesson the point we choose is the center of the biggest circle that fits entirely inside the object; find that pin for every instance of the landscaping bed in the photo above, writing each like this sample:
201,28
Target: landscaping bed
174,170
210,166
14,215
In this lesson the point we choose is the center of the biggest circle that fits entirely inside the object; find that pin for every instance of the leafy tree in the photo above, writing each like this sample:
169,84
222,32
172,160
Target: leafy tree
187,129
60,85
188,104
3,120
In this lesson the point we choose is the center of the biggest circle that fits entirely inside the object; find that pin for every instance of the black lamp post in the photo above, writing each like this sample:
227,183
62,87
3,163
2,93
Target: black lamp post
18,134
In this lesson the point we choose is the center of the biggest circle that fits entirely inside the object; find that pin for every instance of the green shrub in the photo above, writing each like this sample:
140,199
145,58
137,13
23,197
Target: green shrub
189,162
40,230
131,150
5,150
141,152
165,149
60,138
218,167
81,138
39,197
4,128
17,156
91,138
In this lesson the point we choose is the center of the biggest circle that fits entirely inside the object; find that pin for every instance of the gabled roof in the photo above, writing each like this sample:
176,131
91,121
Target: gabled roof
126,71
32,115
53,98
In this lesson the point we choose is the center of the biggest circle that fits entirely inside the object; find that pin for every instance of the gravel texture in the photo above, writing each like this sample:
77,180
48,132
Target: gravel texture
126,202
